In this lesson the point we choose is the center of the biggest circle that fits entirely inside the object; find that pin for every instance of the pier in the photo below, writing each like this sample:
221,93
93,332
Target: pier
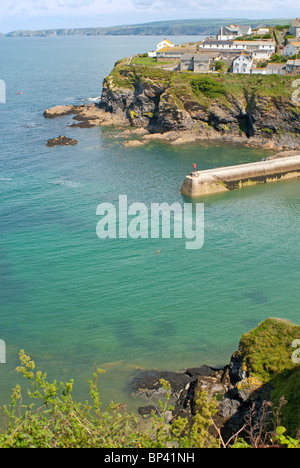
223,179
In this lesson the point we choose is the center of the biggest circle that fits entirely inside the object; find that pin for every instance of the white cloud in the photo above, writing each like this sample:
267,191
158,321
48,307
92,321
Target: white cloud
33,14
106,6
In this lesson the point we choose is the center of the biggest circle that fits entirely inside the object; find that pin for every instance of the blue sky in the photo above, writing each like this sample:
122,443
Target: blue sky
46,14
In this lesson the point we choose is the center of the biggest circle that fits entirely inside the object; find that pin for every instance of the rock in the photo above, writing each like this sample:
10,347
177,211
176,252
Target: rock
237,368
283,154
62,141
148,410
204,371
248,388
58,111
228,408
134,143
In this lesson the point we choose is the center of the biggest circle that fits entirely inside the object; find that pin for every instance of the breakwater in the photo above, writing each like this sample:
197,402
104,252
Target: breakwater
222,179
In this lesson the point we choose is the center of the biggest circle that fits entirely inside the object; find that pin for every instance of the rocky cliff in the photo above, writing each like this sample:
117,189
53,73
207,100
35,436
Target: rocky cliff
246,109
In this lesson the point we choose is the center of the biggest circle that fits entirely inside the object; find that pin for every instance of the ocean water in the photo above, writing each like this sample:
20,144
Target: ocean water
73,301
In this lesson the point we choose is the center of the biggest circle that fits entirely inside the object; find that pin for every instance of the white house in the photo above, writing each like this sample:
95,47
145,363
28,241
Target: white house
256,45
164,43
239,45
242,63
161,45
261,54
232,31
292,48
261,31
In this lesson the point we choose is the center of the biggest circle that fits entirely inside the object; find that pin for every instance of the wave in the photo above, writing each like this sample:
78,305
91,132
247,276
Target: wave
66,183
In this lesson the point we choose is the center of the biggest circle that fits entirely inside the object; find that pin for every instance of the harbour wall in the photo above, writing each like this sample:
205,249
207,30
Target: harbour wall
224,179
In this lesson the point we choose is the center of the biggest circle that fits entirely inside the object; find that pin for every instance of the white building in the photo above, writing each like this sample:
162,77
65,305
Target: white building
232,31
261,54
293,48
164,43
161,45
239,45
242,64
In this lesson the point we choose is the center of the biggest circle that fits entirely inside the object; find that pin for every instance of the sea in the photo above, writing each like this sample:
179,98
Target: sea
75,302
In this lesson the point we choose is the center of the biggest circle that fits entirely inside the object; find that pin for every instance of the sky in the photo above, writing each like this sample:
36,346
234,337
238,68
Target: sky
48,14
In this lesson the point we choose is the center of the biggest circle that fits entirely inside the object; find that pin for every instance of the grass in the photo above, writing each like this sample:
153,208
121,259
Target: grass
182,85
267,351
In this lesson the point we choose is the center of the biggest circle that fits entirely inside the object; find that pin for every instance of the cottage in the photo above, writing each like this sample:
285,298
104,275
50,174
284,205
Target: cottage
198,63
163,44
293,67
261,54
242,63
173,53
216,44
276,69
293,48
232,31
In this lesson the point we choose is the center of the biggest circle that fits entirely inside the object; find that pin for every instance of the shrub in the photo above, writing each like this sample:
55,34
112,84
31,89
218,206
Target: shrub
207,86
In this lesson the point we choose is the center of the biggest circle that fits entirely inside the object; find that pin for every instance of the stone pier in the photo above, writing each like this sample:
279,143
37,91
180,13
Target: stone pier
223,179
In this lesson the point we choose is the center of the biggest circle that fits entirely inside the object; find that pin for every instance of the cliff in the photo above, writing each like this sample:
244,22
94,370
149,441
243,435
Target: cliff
258,387
249,109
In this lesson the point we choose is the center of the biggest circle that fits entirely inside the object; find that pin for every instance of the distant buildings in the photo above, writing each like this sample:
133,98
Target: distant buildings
241,49
265,45
295,28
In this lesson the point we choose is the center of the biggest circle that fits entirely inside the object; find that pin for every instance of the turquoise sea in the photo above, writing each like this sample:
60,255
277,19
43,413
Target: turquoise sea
73,301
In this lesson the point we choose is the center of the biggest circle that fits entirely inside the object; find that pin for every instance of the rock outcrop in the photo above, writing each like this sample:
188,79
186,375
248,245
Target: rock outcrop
61,141
250,110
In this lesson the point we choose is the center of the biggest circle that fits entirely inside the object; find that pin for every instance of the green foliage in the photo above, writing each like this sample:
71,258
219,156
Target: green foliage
267,351
57,421
284,440
268,348
207,86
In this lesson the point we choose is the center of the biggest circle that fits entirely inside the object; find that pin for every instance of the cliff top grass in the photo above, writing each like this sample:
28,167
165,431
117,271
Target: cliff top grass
268,348
182,85
268,354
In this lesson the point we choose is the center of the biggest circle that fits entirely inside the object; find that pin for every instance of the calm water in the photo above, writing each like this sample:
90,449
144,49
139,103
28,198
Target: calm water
72,300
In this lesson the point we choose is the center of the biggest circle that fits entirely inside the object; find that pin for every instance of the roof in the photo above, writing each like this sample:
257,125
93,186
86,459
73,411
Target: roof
216,42
276,66
296,62
176,50
187,56
202,58
196,57
264,42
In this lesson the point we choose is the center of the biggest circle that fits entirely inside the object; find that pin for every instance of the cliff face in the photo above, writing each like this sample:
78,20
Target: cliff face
249,109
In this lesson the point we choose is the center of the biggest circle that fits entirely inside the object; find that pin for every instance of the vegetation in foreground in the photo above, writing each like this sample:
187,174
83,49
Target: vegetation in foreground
55,420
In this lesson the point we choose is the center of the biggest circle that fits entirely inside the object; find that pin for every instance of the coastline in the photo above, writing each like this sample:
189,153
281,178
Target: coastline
92,115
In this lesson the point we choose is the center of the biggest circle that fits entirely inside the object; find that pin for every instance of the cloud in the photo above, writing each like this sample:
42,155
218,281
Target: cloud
35,14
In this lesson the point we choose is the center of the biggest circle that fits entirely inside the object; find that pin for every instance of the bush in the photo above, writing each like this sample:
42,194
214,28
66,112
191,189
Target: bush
60,422
207,86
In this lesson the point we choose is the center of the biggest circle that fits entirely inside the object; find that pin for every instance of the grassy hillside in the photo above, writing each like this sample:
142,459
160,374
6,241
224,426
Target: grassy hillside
205,26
